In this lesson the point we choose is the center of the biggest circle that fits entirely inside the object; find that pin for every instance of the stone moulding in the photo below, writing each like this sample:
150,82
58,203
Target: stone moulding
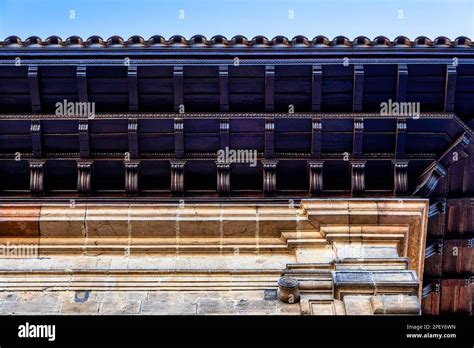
360,282
333,248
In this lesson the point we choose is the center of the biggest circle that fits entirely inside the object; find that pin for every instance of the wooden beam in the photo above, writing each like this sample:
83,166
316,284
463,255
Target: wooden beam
269,138
431,297
132,81
84,146
450,88
133,137
358,89
179,137
316,137
223,88
458,256
35,129
224,135
456,151
402,79
178,83
456,295
269,88
81,81
33,82
317,84
400,141
357,140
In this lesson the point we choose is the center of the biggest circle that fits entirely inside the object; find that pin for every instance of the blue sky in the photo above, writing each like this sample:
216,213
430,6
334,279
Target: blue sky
351,18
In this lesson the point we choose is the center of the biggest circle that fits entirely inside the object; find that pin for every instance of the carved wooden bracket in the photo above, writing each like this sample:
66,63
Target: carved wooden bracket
37,174
438,207
223,178
400,177
428,181
315,177
131,177
357,177
269,176
177,177
434,247
84,177
432,287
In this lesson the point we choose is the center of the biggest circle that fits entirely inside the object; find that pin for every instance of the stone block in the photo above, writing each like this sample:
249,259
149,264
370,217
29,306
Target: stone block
75,308
168,307
125,306
19,221
357,305
62,220
395,304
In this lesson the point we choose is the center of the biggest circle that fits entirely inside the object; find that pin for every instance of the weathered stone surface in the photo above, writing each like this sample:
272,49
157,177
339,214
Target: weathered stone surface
143,302
322,308
211,258
171,307
370,282
86,308
62,220
357,305
19,221
120,307
214,306
25,303
395,304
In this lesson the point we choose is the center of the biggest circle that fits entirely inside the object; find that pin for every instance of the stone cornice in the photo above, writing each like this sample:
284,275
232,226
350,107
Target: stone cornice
63,228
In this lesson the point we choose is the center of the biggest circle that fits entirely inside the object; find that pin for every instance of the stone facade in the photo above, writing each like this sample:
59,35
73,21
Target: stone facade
347,256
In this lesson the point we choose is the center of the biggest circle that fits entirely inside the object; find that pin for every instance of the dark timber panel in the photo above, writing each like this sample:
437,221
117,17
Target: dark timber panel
287,78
